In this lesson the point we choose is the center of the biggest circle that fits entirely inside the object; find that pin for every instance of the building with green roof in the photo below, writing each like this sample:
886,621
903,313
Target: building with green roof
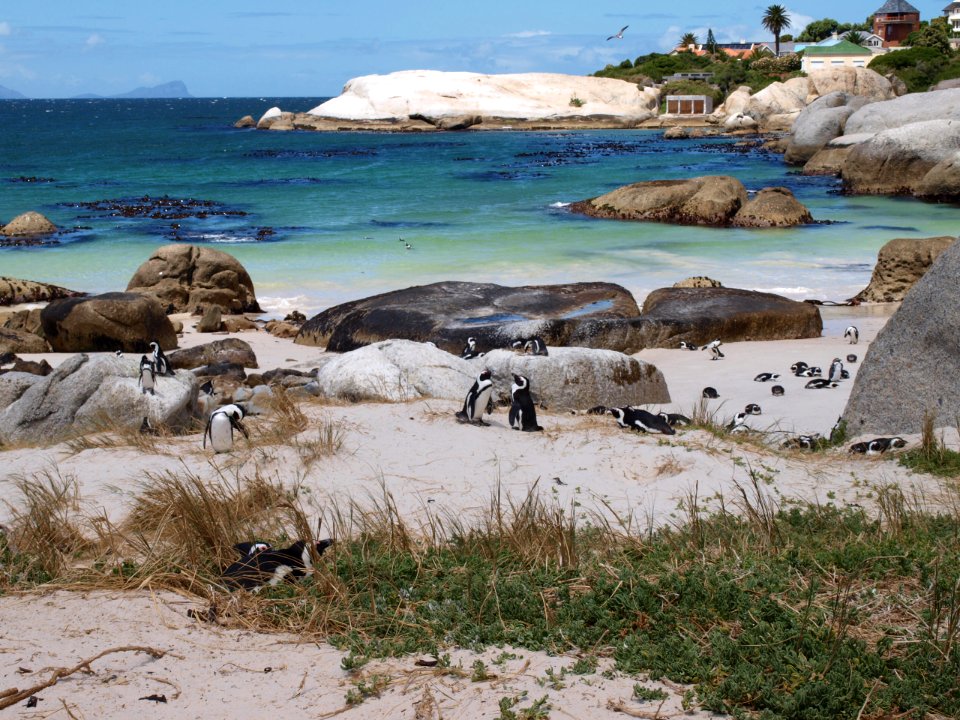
842,54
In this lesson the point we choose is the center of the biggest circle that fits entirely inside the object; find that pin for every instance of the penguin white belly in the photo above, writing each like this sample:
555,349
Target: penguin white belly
221,433
483,399
146,380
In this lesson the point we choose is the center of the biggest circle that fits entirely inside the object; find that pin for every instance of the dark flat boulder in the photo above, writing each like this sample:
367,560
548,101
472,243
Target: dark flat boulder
447,313
108,322
228,350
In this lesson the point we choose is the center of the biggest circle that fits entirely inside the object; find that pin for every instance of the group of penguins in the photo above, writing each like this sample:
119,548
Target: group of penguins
522,414
222,421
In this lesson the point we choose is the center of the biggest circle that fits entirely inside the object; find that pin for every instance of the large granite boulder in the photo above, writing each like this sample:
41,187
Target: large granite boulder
28,223
530,96
396,371
772,207
188,277
447,313
18,341
829,159
900,264
112,321
912,367
24,320
713,200
778,104
863,82
14,291
85,394
906,110
229,350
819,123
576,378
896,161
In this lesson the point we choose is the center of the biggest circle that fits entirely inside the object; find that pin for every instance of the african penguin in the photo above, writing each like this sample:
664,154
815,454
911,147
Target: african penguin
220,426
148,375
251,548
877,446
268,567
535,346
470,351
641,420
714,348
804,442
852,334
598,410
820,384
675,419
684,345
710,393
765,377
160,360
798,367
737,424
836,370
812,371
851,358
523,414
752,409
146,428
777,390
478,396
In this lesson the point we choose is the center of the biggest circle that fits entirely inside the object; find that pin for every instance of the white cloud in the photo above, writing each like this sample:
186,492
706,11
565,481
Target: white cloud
4,28
94,40
528,34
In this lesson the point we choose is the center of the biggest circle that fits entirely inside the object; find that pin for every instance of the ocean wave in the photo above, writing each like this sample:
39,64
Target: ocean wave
559,204
223,238
284,305
801,290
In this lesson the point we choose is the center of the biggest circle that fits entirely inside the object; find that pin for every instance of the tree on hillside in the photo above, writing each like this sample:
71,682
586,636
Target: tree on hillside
711,42
687,40
818,30
936,34
776,19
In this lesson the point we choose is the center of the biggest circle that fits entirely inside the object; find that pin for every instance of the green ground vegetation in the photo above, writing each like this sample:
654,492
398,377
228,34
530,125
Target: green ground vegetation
918,67
768,609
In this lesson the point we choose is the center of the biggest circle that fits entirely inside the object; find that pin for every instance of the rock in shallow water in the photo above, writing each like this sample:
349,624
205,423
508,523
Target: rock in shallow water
900,264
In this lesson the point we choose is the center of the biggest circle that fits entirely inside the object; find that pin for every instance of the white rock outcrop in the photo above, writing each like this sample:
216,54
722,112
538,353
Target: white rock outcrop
528,96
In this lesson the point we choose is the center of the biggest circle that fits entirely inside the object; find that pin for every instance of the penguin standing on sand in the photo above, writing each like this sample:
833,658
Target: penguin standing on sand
523,414
148,375
836,371
852,334
160,361
220,426
478,396
714,348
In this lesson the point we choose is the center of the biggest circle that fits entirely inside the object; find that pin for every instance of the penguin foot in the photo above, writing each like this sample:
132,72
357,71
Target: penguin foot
461,417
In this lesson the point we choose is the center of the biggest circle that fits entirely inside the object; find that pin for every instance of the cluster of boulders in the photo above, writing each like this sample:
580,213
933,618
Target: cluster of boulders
716,200
588,315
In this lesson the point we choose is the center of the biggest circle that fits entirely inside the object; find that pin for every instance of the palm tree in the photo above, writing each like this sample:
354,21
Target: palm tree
856,37
687,40
775,19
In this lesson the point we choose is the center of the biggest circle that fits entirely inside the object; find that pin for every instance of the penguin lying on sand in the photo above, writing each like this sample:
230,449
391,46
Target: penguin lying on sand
777,390
641,420
220,426
263,565
752,409
878,446
684,345
523,414
765,377
802,442
675,420
820,384
478,397
710,393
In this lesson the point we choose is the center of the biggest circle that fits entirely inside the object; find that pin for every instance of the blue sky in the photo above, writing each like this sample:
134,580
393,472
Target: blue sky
62,48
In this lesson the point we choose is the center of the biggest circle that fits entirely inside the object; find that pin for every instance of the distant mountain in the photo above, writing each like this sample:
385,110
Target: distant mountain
175,89
8,94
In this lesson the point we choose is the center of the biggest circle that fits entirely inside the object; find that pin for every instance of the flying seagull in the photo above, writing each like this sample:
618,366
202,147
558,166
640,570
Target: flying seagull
619,35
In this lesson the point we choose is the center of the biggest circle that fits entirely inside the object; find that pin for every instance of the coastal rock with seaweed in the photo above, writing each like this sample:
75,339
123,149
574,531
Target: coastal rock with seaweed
714,200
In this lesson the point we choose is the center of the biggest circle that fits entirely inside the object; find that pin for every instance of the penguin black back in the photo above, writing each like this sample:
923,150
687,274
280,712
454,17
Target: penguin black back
523,413
260,567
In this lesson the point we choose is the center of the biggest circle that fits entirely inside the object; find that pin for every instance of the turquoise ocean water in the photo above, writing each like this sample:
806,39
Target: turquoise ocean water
318,218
